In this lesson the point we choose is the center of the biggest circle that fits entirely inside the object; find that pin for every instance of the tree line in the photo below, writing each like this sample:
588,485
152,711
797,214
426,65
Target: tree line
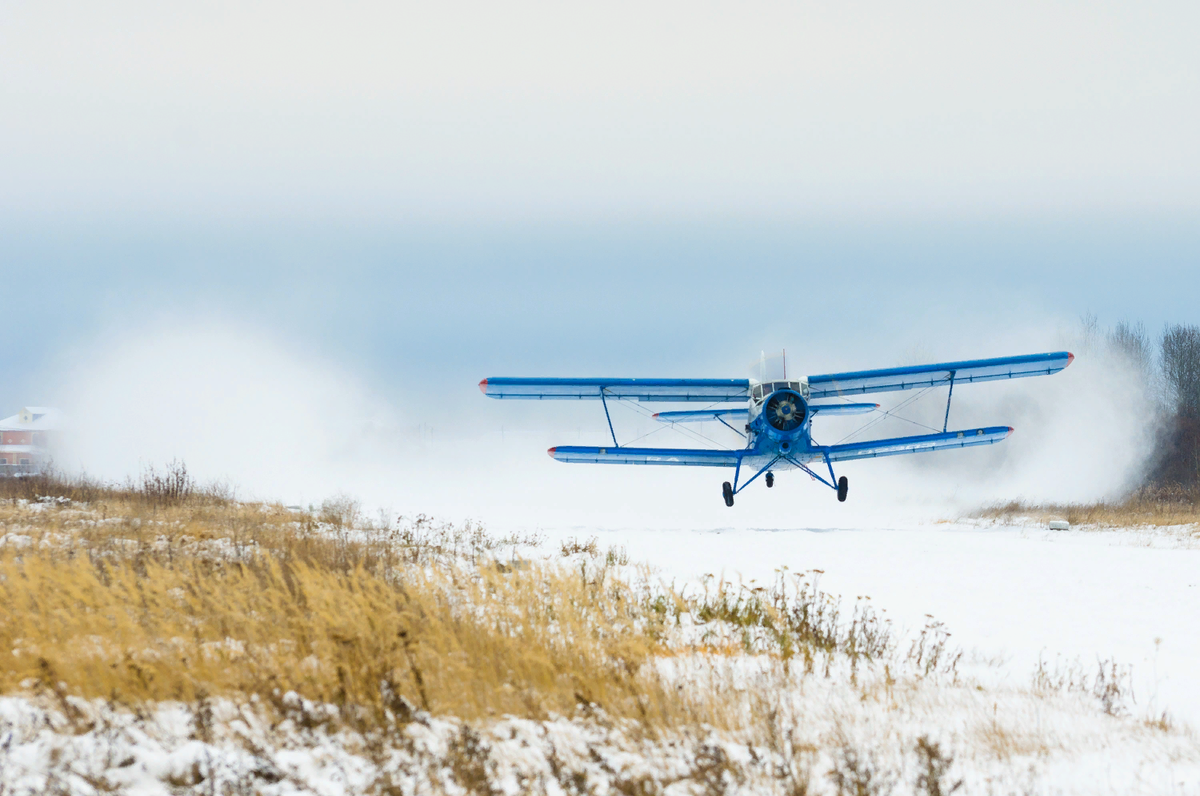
1170,366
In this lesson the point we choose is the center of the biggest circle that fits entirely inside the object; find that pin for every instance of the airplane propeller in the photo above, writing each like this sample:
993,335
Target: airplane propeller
784,413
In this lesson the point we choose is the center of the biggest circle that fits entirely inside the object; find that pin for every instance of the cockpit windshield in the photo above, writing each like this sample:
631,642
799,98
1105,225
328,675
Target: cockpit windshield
761,391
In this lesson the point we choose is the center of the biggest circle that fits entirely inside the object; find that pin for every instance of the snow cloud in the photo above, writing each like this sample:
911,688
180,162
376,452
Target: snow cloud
230,401
279,423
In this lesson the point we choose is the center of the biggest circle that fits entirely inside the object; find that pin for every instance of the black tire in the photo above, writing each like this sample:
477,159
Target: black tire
770,480
843,488
727,493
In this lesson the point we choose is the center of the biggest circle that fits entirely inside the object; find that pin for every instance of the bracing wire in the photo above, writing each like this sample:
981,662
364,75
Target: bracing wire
678,427
884,415
892,413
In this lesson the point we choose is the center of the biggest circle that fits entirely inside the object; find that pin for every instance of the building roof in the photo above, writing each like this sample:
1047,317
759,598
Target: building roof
43,418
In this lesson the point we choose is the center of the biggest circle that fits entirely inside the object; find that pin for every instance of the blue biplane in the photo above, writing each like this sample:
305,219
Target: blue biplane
777,418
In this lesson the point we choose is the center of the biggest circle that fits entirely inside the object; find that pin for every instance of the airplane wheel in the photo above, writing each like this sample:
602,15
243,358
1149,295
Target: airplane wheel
770,480
727,491
843,488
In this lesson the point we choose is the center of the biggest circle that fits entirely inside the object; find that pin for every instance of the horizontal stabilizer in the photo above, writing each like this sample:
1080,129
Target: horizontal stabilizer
841,409
918,444
921,376
679,457
706,390
700,415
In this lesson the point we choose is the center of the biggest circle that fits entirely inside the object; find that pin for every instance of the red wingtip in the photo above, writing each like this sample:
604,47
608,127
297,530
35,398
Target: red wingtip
1070,359
876,406
1009,434
655,415
483,386
550,452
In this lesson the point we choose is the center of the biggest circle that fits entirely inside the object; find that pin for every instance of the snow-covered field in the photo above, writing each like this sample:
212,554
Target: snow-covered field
1077,675
1017,594
831,736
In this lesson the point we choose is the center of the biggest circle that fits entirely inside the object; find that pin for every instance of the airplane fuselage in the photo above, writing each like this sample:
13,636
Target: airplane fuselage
780,422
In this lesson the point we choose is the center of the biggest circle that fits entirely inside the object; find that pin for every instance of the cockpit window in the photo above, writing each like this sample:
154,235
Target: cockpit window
761,391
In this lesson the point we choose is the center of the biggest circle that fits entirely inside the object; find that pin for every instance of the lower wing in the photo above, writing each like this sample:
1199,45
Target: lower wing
917,444
679,457
699,457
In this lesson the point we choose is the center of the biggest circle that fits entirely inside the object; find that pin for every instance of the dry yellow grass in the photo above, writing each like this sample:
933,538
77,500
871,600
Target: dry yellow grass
134,599
1160,506
136,596
144,611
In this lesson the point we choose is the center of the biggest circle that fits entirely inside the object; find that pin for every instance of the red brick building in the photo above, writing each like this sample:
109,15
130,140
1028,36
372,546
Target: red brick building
27,439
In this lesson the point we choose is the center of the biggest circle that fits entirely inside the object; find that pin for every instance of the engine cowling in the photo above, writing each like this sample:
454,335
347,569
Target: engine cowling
784,413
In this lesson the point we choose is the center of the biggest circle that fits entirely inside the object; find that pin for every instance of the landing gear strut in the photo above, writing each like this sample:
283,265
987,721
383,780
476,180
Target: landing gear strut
727,491
843,488
770,480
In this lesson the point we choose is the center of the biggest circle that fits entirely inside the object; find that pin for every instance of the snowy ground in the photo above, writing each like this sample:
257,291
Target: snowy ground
1016,594
831,734
1011,595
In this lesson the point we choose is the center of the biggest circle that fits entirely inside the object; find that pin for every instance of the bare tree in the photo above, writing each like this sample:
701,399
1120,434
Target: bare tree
1131,341
1180,351
1089,332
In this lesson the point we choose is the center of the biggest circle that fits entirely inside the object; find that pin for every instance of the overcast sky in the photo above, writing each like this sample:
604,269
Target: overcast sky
455,111
425,194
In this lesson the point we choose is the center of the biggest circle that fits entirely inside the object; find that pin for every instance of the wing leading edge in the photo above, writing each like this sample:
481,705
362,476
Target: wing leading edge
706,390
679,457
920,376
700,415
694,457
822,386
918,444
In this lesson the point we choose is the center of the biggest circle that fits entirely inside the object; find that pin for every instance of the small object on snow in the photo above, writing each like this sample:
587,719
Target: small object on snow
1060,525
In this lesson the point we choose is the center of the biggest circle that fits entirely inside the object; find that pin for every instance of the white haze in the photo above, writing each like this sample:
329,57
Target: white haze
277,423
527,109
231,403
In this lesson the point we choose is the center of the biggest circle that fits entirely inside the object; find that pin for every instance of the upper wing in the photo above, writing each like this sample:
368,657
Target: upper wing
917,444
916,376
707,390
680,457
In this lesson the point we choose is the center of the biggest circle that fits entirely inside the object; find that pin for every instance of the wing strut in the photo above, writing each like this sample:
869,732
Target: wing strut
738,471
721,420
608,418
808,470
946,422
